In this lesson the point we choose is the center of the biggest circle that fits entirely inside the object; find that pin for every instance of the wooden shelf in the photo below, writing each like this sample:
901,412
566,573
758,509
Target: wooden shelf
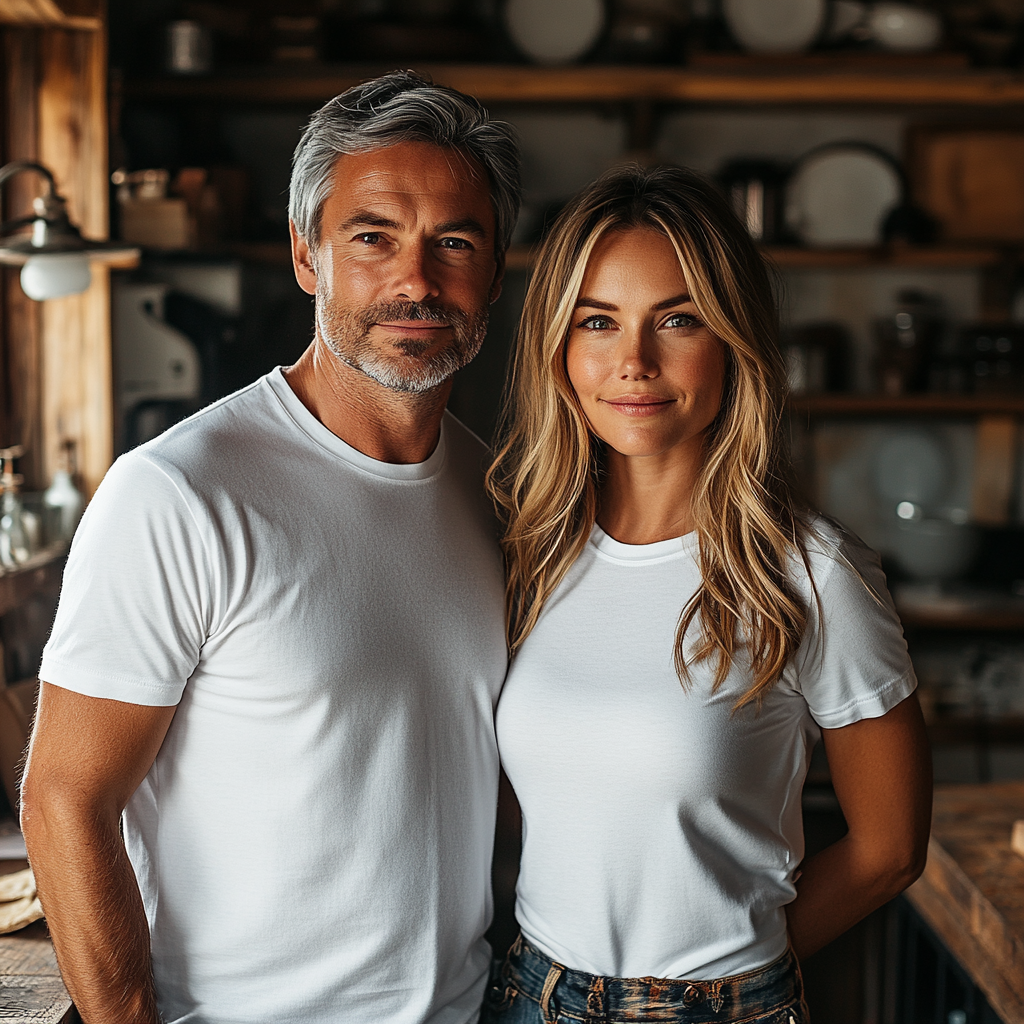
937,257
41,573
906,405
790,257
755,84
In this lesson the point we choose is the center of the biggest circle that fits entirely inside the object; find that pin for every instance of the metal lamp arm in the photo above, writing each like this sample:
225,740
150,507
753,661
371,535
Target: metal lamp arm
17,166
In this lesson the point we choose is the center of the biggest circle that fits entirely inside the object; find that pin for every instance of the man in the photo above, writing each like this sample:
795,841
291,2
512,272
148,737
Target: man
280,637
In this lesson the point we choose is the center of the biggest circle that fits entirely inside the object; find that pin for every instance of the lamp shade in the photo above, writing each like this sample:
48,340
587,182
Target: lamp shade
52,276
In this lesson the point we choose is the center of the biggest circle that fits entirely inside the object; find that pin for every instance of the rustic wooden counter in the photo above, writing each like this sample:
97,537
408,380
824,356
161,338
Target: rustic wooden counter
31,991
972,891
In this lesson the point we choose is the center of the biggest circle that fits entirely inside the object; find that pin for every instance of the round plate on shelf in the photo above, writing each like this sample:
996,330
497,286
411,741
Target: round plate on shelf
783,26
840,195
554,31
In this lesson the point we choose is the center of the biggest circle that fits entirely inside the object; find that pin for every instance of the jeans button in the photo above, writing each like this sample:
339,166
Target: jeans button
692,995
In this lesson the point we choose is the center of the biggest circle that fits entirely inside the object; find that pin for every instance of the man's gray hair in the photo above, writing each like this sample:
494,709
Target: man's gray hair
403,107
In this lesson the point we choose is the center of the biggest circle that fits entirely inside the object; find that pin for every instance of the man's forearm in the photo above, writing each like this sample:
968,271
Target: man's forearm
94,912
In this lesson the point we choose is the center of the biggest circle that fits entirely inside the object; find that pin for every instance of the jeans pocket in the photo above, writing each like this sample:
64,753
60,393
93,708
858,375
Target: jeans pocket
498,1001
795,1013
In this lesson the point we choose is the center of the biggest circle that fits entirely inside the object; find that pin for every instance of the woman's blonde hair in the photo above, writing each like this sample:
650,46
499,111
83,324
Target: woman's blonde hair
545,476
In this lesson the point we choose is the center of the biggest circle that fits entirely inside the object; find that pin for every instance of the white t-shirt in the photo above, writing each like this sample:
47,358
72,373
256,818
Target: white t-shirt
313,842
662,833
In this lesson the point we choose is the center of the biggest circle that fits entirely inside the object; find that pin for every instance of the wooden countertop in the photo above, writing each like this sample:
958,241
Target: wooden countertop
31,991
972,891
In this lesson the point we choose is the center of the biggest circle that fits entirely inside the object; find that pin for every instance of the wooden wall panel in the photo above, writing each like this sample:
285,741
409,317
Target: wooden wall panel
77,376
21,320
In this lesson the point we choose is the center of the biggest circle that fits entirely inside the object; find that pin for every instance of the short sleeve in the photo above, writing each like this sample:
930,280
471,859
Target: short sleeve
134,606
853,663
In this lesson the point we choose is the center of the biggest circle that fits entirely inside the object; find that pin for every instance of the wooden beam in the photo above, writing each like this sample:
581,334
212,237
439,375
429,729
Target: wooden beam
20,333
77,371
73,14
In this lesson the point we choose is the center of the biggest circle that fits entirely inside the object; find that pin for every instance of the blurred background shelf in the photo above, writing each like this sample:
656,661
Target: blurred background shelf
907,405
41,573
749,83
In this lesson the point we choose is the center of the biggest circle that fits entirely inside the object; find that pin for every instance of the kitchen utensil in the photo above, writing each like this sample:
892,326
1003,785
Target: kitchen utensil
847,19
904,28
970,179
755,188
188,48
784,26
554,33
840,194
907,341
912,466
934,549
993,358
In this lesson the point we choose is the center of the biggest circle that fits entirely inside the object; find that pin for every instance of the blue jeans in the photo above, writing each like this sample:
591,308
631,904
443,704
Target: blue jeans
528,988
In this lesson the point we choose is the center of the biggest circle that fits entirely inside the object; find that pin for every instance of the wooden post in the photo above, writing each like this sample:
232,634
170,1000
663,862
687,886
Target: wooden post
76,352
20,328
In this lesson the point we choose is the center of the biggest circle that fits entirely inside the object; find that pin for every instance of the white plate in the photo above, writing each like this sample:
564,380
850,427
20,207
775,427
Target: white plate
913,466
841,195
781,26
554,31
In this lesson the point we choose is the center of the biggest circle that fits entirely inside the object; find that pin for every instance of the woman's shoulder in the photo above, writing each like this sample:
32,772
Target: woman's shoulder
830,549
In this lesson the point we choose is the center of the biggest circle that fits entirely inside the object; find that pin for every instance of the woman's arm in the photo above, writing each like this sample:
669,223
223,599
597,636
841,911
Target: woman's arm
882,773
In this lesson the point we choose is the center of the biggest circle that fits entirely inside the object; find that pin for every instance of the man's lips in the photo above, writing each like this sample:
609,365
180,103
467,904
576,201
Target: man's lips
414,325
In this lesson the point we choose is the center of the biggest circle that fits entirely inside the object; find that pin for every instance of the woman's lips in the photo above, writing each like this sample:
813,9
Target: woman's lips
638,405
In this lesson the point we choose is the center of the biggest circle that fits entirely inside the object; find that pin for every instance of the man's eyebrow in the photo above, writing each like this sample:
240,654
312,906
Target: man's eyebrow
467,225
366,218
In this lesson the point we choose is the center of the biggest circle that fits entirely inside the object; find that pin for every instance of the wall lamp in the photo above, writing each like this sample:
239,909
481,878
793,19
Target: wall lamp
53,255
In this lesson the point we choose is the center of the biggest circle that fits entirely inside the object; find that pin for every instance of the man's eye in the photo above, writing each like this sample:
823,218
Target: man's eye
369,237
683,320
454,243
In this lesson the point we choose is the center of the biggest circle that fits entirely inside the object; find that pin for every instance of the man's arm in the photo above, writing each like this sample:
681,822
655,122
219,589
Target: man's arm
882,773
86,758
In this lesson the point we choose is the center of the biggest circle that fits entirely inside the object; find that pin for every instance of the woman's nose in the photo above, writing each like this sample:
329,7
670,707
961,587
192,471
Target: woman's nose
637,359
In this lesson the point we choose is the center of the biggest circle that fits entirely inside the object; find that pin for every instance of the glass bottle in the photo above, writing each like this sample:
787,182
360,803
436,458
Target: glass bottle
14,542
62,495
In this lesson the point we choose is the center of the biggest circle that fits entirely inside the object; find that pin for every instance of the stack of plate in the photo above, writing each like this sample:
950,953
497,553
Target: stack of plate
841,194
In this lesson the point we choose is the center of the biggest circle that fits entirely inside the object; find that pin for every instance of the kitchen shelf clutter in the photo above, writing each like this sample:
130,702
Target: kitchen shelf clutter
40,574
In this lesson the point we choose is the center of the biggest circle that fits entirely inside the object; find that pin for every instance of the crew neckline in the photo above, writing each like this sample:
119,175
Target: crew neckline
324,438
660,550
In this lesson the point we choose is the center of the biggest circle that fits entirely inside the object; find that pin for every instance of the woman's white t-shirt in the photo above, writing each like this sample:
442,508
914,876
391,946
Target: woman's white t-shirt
662,831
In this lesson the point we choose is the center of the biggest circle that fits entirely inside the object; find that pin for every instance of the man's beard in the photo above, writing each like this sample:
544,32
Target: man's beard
401,364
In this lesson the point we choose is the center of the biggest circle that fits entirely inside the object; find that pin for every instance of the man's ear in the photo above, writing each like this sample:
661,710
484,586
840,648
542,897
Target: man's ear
302,261
499,276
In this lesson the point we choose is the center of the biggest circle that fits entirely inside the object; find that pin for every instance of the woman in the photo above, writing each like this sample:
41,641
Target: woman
682,631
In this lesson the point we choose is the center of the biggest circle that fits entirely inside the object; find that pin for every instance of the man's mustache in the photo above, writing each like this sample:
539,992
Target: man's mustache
384,312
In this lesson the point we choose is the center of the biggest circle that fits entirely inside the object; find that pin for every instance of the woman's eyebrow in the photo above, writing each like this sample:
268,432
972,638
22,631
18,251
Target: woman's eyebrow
595,304
678,300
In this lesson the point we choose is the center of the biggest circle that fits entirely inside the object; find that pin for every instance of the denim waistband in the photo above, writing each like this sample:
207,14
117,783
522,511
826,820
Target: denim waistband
562,992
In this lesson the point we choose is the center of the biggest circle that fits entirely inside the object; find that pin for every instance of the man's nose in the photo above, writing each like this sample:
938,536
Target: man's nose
414,279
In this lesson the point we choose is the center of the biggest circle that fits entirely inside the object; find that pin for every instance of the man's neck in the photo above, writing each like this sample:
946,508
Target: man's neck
386,425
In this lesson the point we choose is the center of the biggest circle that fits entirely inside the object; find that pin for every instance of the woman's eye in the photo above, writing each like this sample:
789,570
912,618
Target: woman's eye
683,320
595,323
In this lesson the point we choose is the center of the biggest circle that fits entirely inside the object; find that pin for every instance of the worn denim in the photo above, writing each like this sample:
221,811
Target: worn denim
528,988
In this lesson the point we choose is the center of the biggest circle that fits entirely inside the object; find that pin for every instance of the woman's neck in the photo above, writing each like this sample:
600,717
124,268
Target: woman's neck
645,500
